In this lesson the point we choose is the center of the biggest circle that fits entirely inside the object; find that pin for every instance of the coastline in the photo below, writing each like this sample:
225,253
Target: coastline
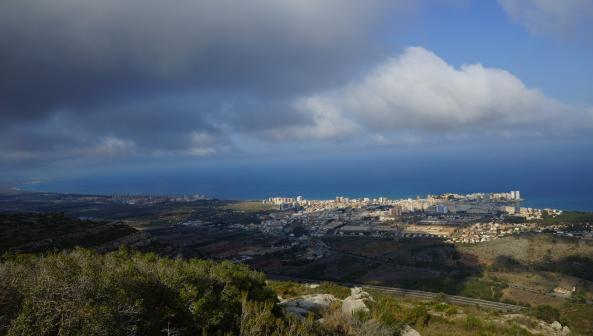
536,203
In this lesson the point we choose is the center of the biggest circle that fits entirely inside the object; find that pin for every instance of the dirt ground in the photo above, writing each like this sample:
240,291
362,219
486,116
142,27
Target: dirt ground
529,248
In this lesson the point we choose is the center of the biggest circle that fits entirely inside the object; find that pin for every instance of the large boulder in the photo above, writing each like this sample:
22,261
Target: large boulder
356,301
296,311
359,294
556,326
316,303
540,327
554,329
303,305
351,306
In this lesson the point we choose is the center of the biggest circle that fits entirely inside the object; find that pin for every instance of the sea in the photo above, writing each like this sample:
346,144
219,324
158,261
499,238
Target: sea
544,182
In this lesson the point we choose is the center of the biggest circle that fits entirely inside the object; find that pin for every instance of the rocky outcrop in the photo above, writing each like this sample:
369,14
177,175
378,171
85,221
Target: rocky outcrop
319,304
565,331
316,303
551,329
303,305
356,301
559,329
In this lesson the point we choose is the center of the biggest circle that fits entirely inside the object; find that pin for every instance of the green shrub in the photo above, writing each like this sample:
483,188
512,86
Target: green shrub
288,289
451,311
338,291
417,316
546,313
123,293
483,289
440,307
579,296
505,263
473,323
387,310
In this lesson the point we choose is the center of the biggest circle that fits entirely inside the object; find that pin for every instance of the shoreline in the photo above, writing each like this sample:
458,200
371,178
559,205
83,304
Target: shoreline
528,203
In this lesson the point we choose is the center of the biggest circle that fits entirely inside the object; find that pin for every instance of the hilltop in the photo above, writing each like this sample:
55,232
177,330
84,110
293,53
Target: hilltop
82,292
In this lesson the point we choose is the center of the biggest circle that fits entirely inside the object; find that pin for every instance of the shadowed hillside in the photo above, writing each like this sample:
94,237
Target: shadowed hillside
42,232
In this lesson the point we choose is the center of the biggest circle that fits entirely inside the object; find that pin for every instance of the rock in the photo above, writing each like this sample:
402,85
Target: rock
556,325
408,331
316,301
351,306
356,301
565,331
303,305
358,293
297,311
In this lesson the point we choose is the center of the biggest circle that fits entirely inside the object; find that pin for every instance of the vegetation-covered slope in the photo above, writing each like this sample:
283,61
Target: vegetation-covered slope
41,232
122,293
82,292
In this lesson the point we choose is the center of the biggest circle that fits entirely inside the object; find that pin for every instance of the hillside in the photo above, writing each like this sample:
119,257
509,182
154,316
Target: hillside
42,232
71,284
130,293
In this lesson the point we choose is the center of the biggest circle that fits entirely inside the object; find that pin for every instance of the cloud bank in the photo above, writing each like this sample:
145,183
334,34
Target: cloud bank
412,98
419,91
85,79
81,77
75,53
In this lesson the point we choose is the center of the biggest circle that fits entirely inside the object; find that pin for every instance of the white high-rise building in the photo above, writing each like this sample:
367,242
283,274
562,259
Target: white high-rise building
515,194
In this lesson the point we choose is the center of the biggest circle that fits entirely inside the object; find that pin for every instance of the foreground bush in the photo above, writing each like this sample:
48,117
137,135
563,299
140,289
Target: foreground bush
122,293
546,313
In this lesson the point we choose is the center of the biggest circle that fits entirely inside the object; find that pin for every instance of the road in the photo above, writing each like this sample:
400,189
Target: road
461,300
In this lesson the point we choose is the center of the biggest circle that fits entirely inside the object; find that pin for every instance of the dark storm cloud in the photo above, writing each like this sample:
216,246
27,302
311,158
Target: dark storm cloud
71,53
144,126
82,77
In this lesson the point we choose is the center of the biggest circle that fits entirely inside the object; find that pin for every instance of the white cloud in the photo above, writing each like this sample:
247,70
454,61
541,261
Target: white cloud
327,122
116,144
564,18
202,143
420,91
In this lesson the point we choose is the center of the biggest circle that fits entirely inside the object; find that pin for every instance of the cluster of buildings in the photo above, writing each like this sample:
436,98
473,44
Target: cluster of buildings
482,232
529,213
468,218
478,203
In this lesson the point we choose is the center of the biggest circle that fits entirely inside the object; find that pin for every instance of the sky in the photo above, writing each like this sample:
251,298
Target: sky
105,86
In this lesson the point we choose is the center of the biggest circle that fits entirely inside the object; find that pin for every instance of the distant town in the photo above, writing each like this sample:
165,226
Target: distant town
296,221
456,218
